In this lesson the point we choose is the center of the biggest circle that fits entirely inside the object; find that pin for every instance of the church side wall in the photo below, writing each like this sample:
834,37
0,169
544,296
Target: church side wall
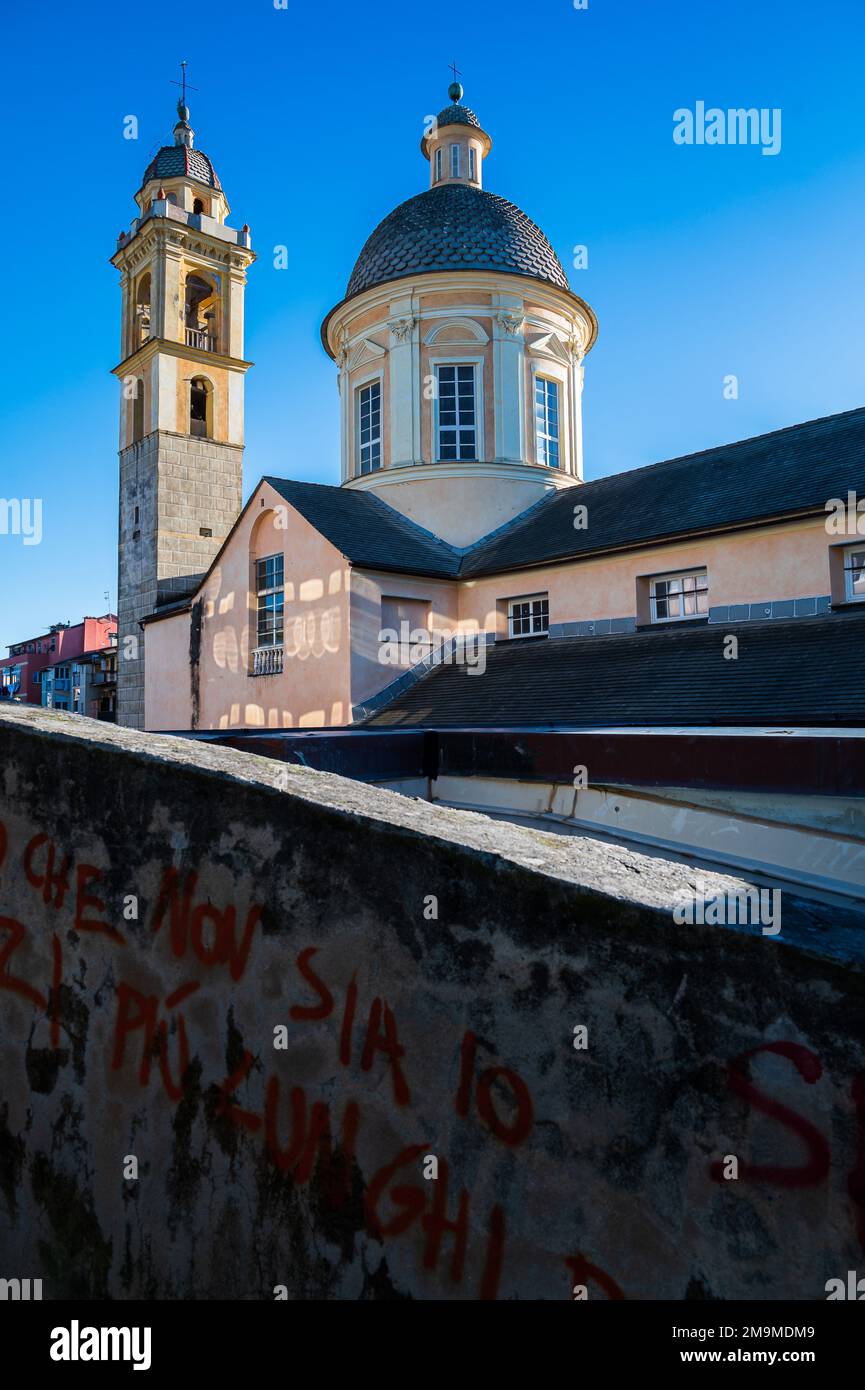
314,685
372,668
167,681
780,563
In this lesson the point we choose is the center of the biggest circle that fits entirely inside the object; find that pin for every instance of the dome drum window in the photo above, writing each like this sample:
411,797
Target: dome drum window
547,421
456,412
368,426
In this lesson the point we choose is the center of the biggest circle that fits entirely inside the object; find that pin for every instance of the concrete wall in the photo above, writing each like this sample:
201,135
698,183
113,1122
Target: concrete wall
165,905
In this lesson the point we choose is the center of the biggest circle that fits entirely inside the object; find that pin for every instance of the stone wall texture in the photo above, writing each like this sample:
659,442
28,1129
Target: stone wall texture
169,911
179,485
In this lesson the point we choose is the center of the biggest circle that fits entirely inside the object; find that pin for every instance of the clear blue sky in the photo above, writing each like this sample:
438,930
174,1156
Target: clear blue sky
703,261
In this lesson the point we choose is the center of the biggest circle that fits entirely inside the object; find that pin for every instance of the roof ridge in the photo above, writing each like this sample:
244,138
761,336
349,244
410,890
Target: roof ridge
733,444
465,551
394,516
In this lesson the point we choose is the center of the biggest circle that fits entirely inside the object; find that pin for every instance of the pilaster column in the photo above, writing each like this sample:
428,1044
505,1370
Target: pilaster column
509,375
403,385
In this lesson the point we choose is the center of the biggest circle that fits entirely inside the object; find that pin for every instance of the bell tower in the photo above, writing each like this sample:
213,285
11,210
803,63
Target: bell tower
182,275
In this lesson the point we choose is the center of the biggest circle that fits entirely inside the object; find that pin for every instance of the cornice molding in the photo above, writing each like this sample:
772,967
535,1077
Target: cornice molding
538,292
143,355
550,478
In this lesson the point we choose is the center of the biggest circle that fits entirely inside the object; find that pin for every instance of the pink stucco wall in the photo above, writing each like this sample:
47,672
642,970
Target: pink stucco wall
314,687
780,562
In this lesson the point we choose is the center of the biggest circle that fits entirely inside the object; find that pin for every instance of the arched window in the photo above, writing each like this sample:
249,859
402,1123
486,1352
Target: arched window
200,307
200,414
142,310
198,206
438,164
138,411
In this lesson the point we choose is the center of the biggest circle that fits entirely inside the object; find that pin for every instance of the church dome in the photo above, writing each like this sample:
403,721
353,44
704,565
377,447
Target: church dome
455,226
182,162
457,114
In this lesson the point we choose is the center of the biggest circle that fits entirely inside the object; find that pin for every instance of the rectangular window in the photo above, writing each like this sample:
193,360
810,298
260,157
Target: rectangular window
854,575
455,161
269,586
529,617
457,426
369,428
472,167
547,421
674,597
438,164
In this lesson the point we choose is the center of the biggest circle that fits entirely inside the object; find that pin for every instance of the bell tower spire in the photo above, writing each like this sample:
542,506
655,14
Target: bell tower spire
182,368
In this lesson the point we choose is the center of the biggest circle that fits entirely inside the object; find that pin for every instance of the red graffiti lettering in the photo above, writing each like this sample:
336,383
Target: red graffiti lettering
584,1272
312,1011
189,923
311,1142
83,874
435,1223
128,1022
520,1127
244,1119
408,1196
17,934
388,1043
51,881
156,1034
810,1068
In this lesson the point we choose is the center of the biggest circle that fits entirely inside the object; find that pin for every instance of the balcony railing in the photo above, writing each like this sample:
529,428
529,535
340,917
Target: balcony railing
267,661
201,339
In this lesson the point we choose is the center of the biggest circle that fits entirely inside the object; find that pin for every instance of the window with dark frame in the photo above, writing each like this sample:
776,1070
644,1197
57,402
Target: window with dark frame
854,575
676,597
270,592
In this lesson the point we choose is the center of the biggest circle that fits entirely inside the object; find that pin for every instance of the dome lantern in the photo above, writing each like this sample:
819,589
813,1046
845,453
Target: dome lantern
455,144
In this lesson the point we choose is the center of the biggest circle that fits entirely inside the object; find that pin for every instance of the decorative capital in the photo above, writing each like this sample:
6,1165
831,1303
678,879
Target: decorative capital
510,321
577,348
402,328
